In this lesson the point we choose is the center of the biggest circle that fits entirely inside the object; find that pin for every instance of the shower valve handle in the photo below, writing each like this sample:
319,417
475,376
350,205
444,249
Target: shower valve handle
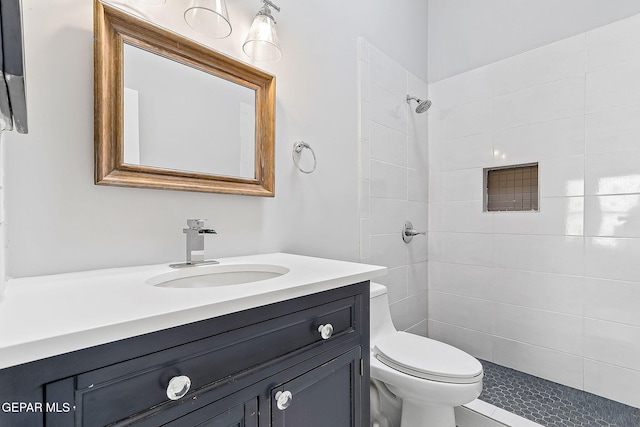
408,232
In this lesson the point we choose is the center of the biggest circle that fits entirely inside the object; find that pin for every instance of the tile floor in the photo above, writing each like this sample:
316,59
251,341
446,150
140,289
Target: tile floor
551,404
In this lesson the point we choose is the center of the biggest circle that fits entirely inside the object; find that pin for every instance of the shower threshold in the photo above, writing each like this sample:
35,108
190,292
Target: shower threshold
515,399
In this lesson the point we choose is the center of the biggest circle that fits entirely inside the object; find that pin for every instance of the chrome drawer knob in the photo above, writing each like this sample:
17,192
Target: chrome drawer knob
283,399
325,331
178,387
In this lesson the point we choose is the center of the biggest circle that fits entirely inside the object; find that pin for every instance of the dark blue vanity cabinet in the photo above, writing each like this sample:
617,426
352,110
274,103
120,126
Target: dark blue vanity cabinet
267,366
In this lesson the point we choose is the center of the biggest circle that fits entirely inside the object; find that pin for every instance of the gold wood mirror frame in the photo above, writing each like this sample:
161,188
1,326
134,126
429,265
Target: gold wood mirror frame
112,28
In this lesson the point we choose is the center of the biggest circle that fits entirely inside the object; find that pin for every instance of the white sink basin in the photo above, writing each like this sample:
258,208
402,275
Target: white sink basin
217,275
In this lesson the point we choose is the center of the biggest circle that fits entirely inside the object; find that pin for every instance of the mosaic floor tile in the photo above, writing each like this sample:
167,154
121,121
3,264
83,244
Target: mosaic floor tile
551,404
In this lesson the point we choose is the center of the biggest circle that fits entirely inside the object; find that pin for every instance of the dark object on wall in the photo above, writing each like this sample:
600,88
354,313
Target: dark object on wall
13,103
511,188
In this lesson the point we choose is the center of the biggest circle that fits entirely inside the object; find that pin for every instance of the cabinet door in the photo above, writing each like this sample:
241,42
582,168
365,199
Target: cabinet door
221,415
328,395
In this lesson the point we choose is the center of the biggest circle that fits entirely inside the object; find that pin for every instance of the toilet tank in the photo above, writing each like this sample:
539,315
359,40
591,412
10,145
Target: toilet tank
380,316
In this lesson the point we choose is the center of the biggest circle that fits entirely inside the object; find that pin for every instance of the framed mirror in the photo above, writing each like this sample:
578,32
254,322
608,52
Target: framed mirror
170,113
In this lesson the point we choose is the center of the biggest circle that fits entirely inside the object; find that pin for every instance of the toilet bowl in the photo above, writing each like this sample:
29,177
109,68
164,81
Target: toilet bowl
430,377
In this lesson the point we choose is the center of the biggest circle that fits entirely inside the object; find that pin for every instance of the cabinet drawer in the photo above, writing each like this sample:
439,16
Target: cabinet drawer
119,391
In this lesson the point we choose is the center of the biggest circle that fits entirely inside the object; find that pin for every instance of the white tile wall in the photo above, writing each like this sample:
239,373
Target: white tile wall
470,152
386,73
419,329
388,145
612,258
460,217
464,312
561,177
417,187
460,121
557,100
409,312
546,254
544,291
612,87
541,328
538,141
388,181
613,44
388,109
542,362
466,280
456,185
463,88
613,130
614,382
612,173
553,293
460,248
612,300
539,66
394,183
477,343
612,343
613,216
557,216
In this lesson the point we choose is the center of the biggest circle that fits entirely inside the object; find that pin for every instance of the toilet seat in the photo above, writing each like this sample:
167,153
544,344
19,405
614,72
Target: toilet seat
428,359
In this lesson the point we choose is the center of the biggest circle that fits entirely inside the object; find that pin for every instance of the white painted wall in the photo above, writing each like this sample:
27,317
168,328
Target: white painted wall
553,293
58,220
466,34
393,181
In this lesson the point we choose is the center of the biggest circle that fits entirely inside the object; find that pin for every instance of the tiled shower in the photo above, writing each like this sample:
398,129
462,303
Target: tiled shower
393,182
551,293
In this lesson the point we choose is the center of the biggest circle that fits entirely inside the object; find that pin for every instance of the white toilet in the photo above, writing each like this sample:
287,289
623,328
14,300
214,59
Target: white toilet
429,377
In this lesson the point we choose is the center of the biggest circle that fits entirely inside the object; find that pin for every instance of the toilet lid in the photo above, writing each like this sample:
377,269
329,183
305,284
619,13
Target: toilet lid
429,359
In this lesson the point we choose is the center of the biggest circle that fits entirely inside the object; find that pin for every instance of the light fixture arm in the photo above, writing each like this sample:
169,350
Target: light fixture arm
265,11
273,5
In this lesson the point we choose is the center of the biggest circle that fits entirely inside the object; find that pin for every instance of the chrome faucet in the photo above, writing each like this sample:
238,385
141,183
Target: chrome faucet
195,243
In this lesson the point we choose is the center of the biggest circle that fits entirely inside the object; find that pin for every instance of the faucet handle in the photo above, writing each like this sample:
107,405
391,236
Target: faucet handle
408,232
195,224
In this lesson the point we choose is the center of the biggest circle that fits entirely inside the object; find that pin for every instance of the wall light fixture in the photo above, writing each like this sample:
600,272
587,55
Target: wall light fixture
262,43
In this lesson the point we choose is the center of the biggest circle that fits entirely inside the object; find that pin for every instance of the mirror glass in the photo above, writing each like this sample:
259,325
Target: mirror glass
182,118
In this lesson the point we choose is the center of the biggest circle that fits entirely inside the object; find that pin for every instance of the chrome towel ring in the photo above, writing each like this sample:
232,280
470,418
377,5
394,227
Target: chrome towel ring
297,153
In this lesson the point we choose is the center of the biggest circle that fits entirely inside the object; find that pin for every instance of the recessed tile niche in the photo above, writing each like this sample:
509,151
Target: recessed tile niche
511,188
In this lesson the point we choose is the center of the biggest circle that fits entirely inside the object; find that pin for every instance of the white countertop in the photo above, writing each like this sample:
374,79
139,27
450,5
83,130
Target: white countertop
50,315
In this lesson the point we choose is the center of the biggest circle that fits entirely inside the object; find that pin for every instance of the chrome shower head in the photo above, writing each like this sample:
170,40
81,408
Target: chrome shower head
422,105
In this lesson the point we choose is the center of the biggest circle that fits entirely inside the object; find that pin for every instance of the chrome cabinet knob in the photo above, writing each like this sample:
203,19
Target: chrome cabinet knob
325,331
178,387
283,399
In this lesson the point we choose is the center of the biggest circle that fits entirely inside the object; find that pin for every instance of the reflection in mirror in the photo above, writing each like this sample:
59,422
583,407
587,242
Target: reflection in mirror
181,118
173,114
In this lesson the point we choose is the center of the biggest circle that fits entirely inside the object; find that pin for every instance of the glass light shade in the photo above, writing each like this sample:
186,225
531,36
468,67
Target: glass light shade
262,43
150,2
209,17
